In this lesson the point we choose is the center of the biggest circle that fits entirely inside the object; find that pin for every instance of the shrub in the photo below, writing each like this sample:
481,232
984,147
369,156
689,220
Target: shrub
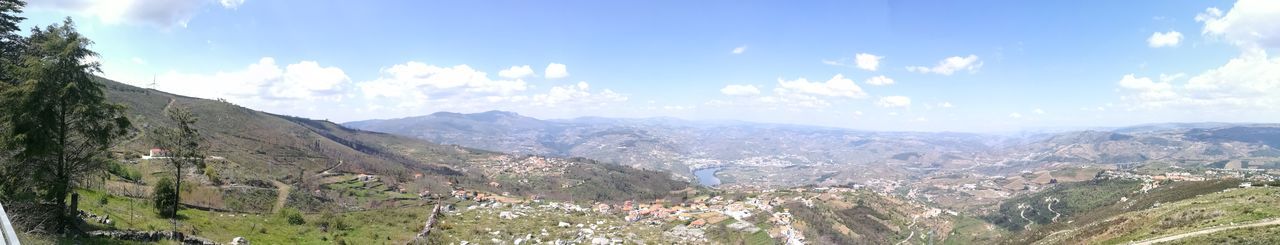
123,172
330,222
212,173
293,216
165,198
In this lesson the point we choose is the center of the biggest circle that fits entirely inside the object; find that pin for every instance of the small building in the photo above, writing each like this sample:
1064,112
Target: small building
602,208
156,153
698,223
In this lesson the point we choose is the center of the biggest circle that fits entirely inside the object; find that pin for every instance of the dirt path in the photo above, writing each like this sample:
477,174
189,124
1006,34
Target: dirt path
282,195
170,104
1051,201
1022,211
322,172
1207,231
913,232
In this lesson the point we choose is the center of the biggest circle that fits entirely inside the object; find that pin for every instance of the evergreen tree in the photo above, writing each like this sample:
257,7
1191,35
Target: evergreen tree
57,123
10,41
184,148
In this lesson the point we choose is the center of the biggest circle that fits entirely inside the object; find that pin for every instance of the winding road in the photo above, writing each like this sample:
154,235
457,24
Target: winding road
1275,221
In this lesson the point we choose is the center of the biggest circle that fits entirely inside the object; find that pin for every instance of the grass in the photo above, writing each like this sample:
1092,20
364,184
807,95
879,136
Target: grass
1252,235
968,230
1175,217
1232,206
387,226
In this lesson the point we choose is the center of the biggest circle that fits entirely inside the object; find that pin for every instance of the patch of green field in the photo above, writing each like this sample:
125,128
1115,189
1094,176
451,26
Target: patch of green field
386,226
1252,235
1222,208
970,230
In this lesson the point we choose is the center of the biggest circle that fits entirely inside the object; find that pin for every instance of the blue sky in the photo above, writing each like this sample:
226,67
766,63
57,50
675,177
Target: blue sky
967,66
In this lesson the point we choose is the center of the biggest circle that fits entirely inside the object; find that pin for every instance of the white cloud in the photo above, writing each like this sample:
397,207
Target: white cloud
1164,39
879,81
578,94
1209,14
945,105
1038,111
1147,90
264,80
138,61
789,95
837,86
416,81
740,90
307,79
894,101
1247,83
840,62
556,71
1252,80
231,4
740,49
795,100
867,61
950,65
1250,24
309,89
162,13
1015,115
516,72
265,85
1171,78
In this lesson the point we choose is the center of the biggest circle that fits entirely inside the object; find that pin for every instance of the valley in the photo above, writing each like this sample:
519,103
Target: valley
654,122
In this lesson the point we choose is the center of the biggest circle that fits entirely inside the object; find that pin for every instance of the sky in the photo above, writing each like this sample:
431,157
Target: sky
914,65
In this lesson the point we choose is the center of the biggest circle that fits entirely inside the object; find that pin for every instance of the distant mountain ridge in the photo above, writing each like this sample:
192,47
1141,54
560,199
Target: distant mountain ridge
681,145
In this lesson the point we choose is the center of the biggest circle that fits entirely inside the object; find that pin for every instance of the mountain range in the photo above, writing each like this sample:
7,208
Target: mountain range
824,155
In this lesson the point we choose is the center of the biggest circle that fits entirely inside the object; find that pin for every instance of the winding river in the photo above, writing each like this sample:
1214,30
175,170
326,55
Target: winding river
707,176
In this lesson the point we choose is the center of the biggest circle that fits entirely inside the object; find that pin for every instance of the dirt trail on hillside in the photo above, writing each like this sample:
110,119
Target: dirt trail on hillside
913,232
1051,201
282,195
1206,231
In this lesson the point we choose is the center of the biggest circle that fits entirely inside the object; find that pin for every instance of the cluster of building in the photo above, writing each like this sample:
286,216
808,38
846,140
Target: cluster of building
524,166
1211,174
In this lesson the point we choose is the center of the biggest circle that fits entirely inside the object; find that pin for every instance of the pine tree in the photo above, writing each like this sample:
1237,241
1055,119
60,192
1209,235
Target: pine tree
10,41
184,148
57,123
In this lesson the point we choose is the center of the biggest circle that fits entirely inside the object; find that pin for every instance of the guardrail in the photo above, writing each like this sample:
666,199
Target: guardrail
6,228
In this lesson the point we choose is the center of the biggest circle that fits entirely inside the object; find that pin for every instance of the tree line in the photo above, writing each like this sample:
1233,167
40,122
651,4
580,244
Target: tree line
57,128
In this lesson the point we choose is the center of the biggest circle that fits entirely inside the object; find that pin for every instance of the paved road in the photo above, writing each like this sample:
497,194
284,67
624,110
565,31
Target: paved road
1207,231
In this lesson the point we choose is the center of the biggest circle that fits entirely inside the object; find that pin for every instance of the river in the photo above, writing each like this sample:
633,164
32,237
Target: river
707,176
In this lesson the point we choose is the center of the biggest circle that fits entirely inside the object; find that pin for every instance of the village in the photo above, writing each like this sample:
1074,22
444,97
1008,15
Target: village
761,212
